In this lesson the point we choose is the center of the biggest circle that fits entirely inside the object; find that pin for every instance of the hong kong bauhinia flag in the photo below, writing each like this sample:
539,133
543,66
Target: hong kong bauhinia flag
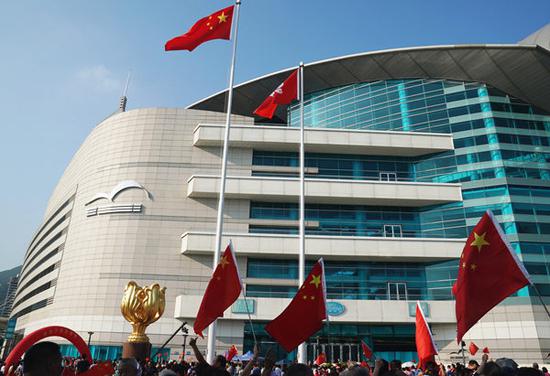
425,345
489,271
305,314
222,291
215,26
283,94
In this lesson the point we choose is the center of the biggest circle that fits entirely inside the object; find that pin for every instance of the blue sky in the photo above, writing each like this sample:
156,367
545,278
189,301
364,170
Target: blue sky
63,65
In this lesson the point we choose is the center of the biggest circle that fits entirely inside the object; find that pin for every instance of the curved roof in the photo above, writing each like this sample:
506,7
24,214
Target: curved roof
522,71
540,37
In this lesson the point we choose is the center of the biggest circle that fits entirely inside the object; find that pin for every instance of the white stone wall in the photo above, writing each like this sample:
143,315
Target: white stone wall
102,253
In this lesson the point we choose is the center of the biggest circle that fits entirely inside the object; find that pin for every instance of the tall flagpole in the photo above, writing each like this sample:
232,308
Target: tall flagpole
211,349
302,350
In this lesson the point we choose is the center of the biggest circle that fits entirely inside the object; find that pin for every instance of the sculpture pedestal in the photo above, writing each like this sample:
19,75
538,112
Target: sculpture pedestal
138,350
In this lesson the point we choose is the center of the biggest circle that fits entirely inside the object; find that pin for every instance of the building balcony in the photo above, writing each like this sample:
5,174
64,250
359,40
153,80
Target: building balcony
343,141
326,191
328,247
354,311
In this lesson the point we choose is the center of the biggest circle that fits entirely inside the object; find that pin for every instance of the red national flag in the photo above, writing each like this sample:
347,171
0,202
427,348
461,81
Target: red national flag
232,353
485,350
473,348
215,26
305,314
284,94
425,346
321,359
489,271
366,350
222,291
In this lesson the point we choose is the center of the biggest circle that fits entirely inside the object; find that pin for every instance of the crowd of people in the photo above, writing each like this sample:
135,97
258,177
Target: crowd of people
44,359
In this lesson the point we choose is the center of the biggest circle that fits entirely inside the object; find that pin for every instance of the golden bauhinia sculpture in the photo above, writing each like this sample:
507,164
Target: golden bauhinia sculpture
142,306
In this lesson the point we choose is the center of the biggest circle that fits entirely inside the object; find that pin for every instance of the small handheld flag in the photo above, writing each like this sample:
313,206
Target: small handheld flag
473,348
366,350
425,346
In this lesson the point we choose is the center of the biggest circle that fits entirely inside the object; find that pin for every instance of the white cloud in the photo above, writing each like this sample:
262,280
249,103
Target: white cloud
99,77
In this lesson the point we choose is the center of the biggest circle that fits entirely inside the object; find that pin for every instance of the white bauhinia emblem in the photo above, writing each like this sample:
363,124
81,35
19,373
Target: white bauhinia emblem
110,197
279,90
122,186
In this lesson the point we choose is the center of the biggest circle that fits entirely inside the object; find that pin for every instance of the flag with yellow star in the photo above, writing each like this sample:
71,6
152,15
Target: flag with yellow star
489,272
304,316
215,26
222,291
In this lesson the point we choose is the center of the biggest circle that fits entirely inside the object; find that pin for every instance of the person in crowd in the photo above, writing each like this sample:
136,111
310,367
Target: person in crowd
128,367
355,370
81,366
299,369
395,368
169,370
43,359
473,365
205,369
381,368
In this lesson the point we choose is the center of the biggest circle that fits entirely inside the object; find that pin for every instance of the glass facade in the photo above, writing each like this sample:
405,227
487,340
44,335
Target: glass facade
104,352
356,280
341,341
444,221
501,157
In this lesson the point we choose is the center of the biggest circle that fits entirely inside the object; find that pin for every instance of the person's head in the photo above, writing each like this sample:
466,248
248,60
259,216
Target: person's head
356,371
220,362
82,366
383,366
535,365
491,369
463,371
431,368
395,365
473,364
527,371
44,359
508,367
544,369
298,369
128,367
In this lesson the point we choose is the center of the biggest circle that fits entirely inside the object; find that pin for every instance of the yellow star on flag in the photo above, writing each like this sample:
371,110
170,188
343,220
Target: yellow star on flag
315,280
479,241
224,262
222,17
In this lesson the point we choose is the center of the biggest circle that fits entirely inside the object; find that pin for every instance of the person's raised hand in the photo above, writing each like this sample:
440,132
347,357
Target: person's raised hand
485,358
256,351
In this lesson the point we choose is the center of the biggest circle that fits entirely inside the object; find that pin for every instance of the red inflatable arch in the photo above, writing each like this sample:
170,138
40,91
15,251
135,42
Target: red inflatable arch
49,331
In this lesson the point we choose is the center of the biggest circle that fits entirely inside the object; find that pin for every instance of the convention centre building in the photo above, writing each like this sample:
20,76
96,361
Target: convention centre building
405,150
